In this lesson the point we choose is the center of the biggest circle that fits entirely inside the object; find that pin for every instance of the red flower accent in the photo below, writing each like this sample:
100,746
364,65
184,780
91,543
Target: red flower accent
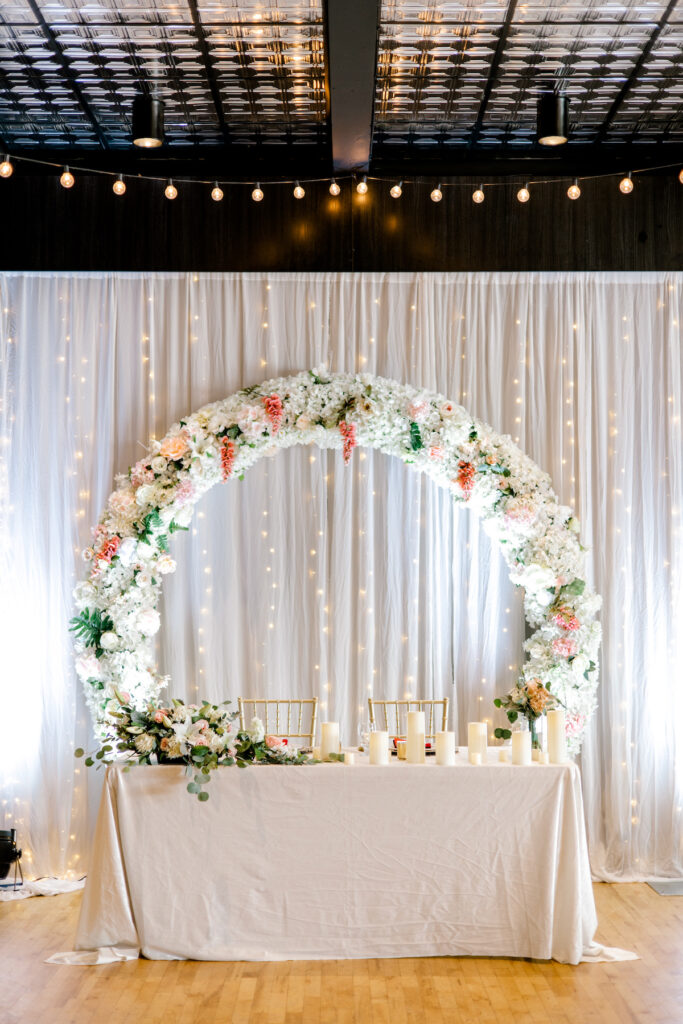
105,554
227,457
273,406
564,618
348,432
466,474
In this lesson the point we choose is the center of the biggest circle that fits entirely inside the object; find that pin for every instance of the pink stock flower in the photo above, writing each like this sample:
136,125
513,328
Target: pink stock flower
418,410
227,458
273,407
466,475
436,453
564,647
348,432
564,618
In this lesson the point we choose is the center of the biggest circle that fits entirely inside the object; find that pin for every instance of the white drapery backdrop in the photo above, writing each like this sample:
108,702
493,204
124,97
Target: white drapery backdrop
309,578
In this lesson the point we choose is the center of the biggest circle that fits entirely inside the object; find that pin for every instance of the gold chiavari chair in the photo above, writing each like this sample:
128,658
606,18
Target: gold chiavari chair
392,715
293,719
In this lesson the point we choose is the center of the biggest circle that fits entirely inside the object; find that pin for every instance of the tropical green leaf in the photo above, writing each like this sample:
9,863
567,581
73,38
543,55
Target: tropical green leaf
415,437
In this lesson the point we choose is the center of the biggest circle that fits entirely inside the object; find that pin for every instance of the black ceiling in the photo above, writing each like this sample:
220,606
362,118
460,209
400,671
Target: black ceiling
291,85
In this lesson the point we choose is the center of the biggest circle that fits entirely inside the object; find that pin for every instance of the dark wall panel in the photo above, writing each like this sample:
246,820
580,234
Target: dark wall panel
45,227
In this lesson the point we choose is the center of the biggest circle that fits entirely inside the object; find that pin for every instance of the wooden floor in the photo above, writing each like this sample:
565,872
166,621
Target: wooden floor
344,991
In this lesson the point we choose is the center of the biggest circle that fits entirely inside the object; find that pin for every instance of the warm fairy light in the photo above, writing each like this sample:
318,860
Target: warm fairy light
574,191
436,195
680,176
170,191
396,191
119,186
299,192
626,184
257,193
67,178
524,195
334,188
478,195
362,186
216,192
6,167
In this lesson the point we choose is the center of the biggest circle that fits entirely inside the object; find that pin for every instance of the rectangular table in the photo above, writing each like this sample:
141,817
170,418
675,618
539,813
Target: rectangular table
331,862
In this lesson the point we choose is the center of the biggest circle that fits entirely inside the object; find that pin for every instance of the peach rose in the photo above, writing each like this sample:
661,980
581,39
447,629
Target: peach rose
174,447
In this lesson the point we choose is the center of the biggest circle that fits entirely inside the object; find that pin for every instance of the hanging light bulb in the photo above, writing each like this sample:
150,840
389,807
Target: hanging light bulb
216,192
119,186
626,184
170,191
524,195
257,193
396,191
299,192
574,191
334,188
551,119
6,167
436,195
478,195
67,178
362,186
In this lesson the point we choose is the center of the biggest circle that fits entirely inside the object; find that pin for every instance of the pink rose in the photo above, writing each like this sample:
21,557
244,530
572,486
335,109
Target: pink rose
174,447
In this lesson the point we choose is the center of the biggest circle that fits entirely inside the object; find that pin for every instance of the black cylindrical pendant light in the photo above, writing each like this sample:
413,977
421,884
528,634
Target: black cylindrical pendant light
148,122
552,121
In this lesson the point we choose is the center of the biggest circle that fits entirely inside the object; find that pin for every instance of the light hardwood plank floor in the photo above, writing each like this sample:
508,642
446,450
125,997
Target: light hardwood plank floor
417,991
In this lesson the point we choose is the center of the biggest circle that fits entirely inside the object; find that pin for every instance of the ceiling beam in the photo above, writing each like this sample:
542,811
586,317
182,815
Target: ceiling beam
352,29
493,70
208,67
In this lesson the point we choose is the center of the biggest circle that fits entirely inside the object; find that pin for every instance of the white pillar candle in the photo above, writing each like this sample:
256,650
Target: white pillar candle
349,757
503,755
475,757
557,739
445,748
476,739
315,753
329,739
521,747
415,741
543,757
379,748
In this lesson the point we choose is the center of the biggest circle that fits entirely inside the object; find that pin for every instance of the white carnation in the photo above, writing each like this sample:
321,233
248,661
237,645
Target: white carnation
148,621
109,641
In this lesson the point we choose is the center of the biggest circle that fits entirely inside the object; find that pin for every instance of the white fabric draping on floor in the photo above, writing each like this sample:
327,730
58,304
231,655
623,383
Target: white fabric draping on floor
330,862
310,579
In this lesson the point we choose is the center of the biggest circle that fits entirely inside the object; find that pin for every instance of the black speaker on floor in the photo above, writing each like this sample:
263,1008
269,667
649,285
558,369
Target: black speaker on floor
10,854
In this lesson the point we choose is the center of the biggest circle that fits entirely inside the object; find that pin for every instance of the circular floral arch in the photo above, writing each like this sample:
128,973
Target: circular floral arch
483,470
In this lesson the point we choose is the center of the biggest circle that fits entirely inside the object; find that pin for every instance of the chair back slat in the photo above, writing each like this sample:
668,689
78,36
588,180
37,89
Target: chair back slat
392,715
293,719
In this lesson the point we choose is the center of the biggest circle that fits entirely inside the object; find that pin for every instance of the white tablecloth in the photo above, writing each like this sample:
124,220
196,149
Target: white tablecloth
329,861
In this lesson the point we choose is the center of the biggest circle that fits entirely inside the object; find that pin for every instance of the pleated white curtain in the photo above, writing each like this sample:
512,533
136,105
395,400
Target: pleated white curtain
311,578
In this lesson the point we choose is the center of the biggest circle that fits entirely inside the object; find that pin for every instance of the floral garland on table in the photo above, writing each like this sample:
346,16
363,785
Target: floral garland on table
199,736
482,470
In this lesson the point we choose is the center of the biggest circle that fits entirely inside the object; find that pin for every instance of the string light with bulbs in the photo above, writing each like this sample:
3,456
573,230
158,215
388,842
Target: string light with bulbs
362,182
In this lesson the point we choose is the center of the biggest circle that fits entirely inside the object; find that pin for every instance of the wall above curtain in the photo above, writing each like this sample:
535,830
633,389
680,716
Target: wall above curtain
46,227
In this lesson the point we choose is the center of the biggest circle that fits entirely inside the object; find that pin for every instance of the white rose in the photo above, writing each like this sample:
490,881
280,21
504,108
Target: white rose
144,494
534,578
184,516
127,551
574,525
83,592
159,464
108,641
256,732
166,564
145,551
580,663
303,423
143,579
148,621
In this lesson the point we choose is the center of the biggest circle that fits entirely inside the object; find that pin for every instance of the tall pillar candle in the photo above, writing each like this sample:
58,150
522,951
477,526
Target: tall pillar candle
445,748
557,738
476,739
329,739
415,741
521,747
379,748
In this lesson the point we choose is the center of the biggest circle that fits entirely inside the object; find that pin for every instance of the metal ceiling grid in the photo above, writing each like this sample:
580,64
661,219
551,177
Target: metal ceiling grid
227,71
461,72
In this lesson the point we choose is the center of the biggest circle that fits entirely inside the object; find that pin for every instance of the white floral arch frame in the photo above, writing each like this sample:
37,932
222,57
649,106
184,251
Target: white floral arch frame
481,469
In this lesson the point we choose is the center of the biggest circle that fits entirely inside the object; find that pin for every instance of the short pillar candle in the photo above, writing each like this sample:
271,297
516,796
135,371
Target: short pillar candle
445,748
521,747
415,741
329,739
476,739
557,739
379,748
